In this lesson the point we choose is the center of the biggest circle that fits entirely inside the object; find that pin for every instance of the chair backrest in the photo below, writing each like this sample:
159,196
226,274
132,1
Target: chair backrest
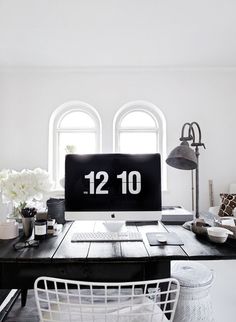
67,300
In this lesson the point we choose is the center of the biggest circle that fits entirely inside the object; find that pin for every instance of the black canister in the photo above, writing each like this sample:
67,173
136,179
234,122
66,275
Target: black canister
56,210
40,229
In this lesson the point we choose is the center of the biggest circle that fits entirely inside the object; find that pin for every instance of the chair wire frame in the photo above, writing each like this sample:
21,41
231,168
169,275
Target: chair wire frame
77,301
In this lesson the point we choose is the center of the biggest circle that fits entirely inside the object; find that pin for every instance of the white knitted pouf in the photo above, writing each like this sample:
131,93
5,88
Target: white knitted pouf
194,303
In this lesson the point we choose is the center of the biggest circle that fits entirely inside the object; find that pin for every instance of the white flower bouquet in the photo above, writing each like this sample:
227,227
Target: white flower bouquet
24,186
3,175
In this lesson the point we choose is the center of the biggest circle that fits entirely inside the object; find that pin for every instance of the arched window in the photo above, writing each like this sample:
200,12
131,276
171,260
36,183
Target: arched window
140,127
75,127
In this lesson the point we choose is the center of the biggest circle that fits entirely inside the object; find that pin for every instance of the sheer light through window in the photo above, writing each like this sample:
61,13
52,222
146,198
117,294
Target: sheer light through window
76,128
138,133
140,127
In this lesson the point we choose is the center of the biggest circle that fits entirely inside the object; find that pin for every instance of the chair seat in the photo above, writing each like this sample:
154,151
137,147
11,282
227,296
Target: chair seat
141,312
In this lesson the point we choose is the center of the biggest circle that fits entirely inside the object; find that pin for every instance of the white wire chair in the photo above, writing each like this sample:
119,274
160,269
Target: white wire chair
67,300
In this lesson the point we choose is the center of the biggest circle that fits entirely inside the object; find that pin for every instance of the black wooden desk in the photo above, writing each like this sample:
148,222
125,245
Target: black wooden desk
110,261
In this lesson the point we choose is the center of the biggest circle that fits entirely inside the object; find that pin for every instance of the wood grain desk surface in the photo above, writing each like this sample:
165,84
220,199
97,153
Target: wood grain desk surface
60,248
102,261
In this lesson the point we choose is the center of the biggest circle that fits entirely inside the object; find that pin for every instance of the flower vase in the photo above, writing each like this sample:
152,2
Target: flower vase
28,223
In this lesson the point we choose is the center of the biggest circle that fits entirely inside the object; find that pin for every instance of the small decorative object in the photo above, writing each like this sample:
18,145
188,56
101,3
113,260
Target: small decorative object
228,223
28,220
218,234
51,226
24,187
40,229
70,149
199,227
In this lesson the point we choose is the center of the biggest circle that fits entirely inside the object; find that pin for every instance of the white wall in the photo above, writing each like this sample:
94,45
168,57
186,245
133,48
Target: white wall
223,289
29,96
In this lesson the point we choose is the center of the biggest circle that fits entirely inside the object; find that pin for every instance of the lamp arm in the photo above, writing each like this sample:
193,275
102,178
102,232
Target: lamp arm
199,143
186,138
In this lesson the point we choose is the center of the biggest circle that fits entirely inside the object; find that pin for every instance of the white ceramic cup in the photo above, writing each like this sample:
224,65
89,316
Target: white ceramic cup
218,234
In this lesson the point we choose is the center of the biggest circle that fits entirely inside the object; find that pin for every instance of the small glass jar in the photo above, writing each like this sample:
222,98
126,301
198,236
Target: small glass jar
40,229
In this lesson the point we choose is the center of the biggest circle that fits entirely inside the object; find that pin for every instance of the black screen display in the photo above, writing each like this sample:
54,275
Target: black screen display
113,182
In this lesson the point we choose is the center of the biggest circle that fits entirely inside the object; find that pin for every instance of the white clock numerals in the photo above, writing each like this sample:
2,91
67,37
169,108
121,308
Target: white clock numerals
123,177
132,189
99,190
129,181
91,178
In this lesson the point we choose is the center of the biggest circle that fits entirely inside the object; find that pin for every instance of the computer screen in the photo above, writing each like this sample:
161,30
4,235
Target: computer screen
113,187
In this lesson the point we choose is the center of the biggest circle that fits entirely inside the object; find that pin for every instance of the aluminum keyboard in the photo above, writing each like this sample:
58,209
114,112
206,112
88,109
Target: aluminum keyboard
106,237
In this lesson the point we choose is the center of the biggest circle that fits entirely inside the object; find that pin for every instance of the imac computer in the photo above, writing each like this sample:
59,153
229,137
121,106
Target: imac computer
113,187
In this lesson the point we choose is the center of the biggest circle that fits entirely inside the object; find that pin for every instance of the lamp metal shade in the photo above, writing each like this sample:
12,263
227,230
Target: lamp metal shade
182,157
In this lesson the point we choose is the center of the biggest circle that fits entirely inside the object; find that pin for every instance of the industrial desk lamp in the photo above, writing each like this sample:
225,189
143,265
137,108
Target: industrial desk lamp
185,158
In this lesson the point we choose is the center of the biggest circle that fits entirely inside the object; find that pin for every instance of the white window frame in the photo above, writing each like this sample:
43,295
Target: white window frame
160,129
55,130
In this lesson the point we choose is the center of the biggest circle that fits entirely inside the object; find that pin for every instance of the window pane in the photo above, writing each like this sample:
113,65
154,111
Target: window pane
74,143
138,142
77,119
138,119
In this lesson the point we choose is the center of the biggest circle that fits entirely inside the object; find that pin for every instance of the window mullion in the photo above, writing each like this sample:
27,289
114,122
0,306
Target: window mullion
138,130
73,130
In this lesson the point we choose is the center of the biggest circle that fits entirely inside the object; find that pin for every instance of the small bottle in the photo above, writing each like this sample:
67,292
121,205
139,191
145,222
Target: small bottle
40,229
50,226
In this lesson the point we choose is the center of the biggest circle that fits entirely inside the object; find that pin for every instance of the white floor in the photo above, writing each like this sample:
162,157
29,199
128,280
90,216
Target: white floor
223,290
